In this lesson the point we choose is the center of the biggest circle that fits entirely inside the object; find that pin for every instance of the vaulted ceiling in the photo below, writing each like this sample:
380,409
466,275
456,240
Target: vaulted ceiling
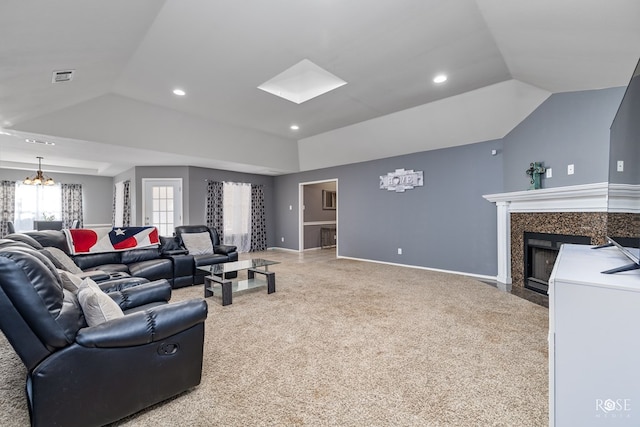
502,59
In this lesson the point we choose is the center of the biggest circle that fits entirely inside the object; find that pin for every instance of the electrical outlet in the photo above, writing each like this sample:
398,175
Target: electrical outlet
549,173
399,251
620,167
570,170
282,238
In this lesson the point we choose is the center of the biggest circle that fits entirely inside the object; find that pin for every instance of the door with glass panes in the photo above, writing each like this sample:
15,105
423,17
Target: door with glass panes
162,204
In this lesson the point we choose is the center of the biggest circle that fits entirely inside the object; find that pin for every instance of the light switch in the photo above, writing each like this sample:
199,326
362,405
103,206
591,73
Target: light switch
549,173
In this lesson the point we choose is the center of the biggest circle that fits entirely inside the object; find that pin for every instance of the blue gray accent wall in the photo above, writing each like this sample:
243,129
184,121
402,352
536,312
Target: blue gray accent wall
447,224
568,128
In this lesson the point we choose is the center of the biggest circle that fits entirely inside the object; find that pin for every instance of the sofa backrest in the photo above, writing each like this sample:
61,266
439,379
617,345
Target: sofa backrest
86,261
19,237
57,239
50,238
184,229
138,255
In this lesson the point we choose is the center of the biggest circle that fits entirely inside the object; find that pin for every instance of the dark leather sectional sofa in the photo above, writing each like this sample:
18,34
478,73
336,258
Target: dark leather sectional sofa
170,261
82,375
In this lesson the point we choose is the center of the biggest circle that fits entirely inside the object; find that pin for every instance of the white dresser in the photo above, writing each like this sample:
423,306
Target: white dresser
594,340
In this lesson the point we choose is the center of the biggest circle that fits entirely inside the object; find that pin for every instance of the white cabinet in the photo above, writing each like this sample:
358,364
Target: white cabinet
594,340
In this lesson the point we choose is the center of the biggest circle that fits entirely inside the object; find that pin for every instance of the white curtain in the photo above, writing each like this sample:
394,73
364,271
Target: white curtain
237,215
118,205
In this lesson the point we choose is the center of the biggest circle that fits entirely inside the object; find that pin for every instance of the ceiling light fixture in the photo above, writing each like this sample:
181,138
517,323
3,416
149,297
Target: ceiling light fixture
179,92
294,127
39,178
440,78
37,141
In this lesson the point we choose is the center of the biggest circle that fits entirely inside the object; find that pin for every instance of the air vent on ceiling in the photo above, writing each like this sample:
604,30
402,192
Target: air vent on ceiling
62,76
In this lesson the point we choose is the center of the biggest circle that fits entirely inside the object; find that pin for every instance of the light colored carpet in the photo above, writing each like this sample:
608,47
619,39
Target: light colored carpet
349,343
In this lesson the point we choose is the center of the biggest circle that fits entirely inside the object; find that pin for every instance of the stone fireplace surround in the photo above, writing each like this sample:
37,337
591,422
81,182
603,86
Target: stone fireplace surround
583,210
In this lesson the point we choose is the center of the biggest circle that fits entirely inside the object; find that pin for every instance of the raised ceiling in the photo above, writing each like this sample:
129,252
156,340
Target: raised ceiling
502,58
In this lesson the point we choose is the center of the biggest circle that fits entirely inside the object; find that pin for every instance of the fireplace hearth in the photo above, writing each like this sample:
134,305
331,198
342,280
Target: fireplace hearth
540,253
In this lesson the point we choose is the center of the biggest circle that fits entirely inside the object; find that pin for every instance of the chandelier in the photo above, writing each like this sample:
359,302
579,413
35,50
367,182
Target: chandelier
40,178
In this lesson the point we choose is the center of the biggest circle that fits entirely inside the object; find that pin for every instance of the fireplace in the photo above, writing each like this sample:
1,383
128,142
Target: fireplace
540,253
577,210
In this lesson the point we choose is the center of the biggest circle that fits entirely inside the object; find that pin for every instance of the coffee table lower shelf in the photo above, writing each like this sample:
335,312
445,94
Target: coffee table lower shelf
229,286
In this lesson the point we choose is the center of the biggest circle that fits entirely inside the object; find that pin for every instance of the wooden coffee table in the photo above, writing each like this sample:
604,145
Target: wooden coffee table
217,277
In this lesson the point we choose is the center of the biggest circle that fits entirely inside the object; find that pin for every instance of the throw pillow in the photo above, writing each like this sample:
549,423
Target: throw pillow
64,259
70,281
198,243
97,306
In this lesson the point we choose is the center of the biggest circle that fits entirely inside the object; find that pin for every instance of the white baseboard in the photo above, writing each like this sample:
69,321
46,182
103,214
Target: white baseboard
459,273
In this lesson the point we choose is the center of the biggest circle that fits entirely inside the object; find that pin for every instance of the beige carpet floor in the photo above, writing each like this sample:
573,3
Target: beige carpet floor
349,343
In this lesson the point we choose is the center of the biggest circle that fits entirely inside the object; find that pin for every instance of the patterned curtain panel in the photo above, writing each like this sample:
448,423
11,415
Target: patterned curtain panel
113,207
71,204
214,207
258,219
126,206
7,205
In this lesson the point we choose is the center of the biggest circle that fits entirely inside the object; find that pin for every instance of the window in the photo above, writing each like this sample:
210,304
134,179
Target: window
118,215
36,203
237,215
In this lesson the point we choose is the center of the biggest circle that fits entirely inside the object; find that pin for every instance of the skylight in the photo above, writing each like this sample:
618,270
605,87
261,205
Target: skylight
302,82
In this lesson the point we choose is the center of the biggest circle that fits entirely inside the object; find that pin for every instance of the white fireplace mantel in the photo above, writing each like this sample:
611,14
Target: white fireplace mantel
575,198
598,197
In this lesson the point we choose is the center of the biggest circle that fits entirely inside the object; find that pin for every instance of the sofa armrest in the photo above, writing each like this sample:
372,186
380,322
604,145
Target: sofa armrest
224,249
152,325
158,291
95,275
115,285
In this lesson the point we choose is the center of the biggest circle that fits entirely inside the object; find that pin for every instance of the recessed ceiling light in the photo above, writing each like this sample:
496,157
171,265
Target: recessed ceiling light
440,78
294,127
179,92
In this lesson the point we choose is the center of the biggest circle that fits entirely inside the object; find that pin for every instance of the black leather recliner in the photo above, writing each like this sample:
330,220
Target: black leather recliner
90,376
221,253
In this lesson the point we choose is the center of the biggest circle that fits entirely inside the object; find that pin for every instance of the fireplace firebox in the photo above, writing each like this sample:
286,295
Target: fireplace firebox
540,253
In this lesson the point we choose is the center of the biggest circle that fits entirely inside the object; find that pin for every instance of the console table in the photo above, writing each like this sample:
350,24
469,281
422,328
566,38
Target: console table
594,339
327,237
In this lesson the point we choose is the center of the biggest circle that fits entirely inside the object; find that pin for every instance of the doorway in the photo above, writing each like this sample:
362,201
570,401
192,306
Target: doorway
318,215
162,204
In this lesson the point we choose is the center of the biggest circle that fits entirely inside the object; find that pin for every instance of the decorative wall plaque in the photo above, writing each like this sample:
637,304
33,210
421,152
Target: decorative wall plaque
401,180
